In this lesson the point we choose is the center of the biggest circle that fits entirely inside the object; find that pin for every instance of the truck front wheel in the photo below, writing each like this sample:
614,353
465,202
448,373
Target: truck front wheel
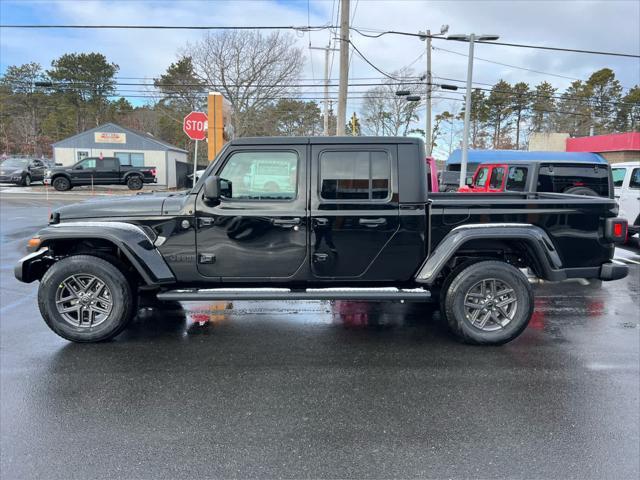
61,184
488,303
84,298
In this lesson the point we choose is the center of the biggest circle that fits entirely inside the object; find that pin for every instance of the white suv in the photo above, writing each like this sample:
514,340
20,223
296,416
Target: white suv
626,181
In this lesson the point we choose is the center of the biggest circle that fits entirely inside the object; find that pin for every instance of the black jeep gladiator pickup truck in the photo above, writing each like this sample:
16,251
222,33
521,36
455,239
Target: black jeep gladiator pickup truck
318,218
100,171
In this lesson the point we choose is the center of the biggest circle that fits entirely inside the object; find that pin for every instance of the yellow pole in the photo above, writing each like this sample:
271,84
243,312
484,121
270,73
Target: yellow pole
216,124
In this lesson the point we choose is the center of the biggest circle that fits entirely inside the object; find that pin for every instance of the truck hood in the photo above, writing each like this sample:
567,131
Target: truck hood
125,206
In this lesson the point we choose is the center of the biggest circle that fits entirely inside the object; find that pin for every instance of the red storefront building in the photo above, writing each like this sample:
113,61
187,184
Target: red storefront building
615,148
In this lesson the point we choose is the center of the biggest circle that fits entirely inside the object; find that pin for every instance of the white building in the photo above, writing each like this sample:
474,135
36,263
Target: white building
131,147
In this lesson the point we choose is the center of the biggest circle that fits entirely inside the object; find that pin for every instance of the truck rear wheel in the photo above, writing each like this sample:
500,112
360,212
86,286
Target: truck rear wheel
134,182
488,303
84,298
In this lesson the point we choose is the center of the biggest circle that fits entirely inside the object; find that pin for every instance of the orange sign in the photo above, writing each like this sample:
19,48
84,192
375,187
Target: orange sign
110,137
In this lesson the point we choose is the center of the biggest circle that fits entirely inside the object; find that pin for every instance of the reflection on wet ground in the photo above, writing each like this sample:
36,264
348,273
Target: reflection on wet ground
577,305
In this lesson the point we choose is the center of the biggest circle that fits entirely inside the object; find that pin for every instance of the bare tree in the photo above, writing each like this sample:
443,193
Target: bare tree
249,68
384,112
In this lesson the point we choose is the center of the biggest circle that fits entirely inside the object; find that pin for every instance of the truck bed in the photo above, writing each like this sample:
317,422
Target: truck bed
573,222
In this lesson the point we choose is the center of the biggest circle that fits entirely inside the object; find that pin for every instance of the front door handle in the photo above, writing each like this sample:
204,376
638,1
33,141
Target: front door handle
289,222
372,222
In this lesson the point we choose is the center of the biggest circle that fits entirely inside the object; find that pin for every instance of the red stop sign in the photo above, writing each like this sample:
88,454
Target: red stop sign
195,125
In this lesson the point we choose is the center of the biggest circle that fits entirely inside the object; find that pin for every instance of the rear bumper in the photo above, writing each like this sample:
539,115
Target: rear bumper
606,272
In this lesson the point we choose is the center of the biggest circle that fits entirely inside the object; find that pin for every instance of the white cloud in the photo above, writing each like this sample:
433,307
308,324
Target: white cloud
604,25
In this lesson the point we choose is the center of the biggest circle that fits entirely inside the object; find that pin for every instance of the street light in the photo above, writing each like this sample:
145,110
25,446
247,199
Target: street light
467,109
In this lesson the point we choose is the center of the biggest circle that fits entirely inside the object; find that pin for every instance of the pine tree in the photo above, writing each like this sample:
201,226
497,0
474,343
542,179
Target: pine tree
521,103
543,105
605,93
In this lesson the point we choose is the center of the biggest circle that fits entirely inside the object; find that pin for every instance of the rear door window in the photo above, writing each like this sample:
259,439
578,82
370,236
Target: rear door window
355,175
496,178
517,179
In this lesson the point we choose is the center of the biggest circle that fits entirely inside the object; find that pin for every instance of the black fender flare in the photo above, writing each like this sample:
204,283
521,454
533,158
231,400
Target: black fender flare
544,253
130,174
60,174
134,241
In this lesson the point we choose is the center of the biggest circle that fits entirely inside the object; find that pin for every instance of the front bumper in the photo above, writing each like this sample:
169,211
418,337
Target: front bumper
10,178
32,266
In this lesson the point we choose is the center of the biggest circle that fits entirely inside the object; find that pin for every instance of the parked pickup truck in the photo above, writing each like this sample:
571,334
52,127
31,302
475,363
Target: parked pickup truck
352,220
575,178
100,171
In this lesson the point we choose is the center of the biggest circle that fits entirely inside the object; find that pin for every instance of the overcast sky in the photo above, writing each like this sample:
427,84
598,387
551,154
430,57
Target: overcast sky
593,25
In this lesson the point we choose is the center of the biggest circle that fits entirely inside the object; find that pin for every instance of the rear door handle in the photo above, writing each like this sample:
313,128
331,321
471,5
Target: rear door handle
289,222
372,222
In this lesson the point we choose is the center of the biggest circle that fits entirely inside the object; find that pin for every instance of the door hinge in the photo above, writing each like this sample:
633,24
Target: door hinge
206,258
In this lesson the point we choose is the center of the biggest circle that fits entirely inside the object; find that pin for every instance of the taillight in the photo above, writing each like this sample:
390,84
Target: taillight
616,230
153,172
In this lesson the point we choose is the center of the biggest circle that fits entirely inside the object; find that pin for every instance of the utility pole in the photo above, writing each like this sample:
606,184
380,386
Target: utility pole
429,82
326,84
344,68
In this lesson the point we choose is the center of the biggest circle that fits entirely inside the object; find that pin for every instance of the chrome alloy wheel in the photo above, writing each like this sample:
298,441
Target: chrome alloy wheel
490,304
84,300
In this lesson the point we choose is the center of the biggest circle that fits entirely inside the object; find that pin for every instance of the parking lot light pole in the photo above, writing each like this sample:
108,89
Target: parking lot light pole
467,109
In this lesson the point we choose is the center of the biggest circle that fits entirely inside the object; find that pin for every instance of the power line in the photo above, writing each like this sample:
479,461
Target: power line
307,28
172,27
504,44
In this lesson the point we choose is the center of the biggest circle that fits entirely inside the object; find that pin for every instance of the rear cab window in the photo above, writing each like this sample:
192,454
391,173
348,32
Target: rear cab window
559,178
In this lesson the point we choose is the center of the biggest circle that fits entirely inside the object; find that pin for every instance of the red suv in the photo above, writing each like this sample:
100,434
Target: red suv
584,178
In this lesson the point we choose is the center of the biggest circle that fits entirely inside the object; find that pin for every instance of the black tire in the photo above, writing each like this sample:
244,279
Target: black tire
134,182
123,301
61,184
581,191
26,181
463,282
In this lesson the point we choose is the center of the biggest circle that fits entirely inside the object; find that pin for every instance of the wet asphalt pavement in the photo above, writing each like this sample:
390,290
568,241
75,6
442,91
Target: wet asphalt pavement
318,389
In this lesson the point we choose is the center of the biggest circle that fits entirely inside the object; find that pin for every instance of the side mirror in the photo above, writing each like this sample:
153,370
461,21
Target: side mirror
469,181
78,167
212,188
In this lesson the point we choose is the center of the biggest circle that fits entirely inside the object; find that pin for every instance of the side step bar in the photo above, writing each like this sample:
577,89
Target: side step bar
368,294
